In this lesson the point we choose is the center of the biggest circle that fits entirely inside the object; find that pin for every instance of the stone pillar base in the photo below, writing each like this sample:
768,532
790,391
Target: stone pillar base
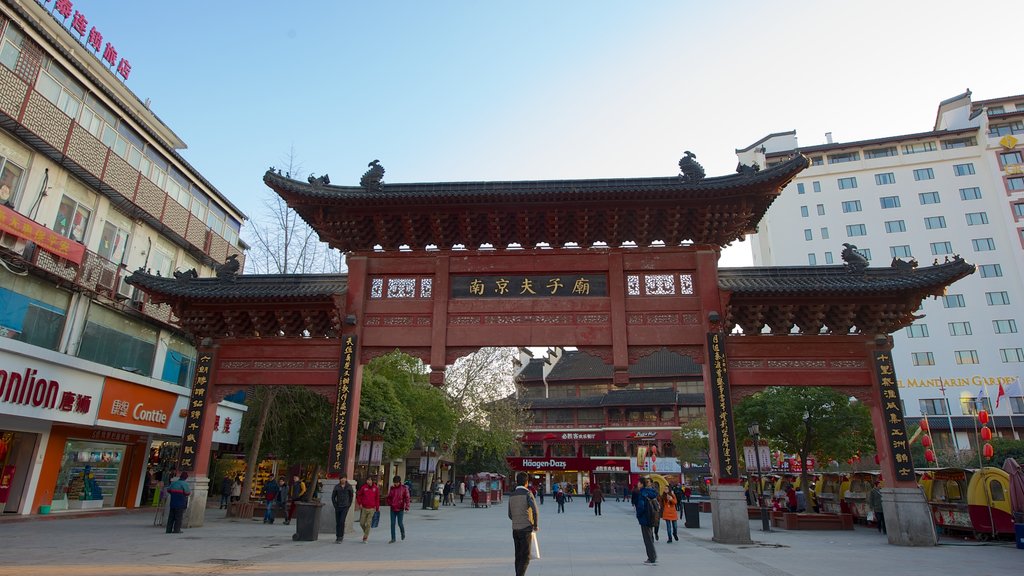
729,520
908,518
195,514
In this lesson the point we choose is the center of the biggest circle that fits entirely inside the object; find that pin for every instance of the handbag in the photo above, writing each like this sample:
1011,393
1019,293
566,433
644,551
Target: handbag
376,519
591,503
871,516
534,546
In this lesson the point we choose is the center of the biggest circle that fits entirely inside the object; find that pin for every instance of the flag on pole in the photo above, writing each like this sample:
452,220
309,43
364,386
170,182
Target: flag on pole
1000,394
979,402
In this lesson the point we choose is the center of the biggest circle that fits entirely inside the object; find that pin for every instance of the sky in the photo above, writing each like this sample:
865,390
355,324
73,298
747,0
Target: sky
532,90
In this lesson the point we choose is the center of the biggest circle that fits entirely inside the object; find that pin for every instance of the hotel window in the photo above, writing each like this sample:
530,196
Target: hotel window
60,88
808,234
990,270
816,161
917,331
953,301
960,329
963,169
803,212
997,298
1014,355
919,147
959,143
924,174
1006,128
824,233
828,258
812,259
843,157
800,188
976,218
72,219
816,186
929,198
886,178
893,226
848,183
900,251
856,230
10,181
933,406
973,193
1004,326
971,405
966,356
851,206
940,248
922,358
880,152
889,202
1014,157
821,209
1015,183
983,244
935,222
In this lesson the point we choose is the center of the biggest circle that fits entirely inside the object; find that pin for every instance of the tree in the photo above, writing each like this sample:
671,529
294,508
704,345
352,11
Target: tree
805,420
691,441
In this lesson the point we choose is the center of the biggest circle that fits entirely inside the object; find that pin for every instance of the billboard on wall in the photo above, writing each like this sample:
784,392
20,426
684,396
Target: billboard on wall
34,388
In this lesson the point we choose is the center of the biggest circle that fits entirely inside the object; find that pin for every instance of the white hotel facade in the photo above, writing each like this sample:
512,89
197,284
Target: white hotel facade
957,189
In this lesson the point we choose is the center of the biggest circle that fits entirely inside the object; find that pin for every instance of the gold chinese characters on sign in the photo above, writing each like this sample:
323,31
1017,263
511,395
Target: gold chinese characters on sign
194,417
532,286
895,427
722,406
339,426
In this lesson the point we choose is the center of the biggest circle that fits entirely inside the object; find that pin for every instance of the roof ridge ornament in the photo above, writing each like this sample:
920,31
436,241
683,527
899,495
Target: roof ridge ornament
186,275
690,170
744,170
855,261
904,266
319,182
228,271
373,179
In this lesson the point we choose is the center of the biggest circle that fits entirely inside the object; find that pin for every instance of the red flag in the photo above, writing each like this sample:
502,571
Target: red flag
1000,394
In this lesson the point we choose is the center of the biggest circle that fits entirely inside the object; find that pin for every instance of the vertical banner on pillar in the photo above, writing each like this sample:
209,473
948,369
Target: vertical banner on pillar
339,426
892,411
196,408
721,403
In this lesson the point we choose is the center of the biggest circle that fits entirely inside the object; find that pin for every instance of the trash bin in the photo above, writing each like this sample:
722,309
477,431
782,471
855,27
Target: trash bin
307,521
1019,535
691,514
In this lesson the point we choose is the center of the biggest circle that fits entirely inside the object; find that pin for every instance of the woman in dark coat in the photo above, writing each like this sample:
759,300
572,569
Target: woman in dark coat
596,497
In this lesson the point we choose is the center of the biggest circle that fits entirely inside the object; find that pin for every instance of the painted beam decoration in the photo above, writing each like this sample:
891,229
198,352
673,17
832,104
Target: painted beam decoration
196,408
530,286
895,427
336,463
728,468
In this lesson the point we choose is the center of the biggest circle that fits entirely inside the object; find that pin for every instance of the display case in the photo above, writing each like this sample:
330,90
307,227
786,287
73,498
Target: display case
104,462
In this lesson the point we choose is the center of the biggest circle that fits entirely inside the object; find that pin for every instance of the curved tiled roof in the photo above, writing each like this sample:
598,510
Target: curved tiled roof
243,288
614,211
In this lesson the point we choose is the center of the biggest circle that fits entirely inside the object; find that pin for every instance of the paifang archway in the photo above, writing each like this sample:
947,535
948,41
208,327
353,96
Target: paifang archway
626,267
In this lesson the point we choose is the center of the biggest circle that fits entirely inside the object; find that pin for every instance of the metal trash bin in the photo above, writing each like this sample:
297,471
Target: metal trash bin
307,521
691,514
1019,535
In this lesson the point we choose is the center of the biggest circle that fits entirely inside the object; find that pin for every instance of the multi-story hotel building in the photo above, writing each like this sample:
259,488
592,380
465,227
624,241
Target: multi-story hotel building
92,187
955,189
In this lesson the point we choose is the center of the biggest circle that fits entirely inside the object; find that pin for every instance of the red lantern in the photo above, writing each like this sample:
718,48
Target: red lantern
988,451
983,416
849,461
923,425
929,456
926,440
986,433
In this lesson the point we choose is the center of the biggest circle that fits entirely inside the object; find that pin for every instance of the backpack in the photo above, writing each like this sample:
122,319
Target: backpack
653,511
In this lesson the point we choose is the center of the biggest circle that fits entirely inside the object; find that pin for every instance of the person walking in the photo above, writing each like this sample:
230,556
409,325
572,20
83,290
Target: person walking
522,510
446,493
560,499
179,492
875,503
462,492
670,514
225,491
282,495
342,497
368,499
596,497
236,489
271,493
295,494
398,500
643,497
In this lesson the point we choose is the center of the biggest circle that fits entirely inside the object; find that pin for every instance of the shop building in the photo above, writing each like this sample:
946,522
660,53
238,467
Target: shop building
924,198
92,187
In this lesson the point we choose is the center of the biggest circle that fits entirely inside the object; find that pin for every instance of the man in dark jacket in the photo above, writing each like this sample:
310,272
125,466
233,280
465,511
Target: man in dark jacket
522,510
179,491
646,492
295,494
271,493
341,497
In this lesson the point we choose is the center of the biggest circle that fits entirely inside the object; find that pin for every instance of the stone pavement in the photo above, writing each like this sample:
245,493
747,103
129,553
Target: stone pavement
462,540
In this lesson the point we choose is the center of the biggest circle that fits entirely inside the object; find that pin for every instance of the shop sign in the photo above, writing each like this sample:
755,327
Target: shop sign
17,225
91,38
609,468
554,464
227,424
654,465
135,404
644,434
36,391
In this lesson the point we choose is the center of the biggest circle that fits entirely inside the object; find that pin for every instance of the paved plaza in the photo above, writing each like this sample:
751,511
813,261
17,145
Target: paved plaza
462,540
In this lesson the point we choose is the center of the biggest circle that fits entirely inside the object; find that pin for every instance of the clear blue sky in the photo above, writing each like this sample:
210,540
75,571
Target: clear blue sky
527,90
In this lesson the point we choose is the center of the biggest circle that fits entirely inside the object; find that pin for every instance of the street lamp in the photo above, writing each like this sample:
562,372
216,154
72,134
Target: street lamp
427,497
755,431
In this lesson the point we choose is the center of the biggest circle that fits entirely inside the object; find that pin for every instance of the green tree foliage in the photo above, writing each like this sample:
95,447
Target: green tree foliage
806,420
691,442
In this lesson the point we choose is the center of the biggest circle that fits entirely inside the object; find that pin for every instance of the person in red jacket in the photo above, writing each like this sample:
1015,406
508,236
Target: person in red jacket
368,499
398,499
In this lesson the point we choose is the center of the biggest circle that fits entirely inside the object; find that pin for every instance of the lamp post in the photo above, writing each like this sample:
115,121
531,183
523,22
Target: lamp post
426,474
755,431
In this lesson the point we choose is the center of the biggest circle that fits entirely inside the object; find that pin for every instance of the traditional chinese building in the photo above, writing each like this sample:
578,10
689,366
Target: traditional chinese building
92,373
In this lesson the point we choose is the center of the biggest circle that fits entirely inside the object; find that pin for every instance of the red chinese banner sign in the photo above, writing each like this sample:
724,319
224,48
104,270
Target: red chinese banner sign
13,223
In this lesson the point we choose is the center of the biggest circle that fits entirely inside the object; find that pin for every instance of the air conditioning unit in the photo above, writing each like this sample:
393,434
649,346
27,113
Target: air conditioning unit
138,298
124,289
108,276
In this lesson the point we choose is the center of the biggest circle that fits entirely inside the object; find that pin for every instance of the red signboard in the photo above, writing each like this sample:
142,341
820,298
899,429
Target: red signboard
13,223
